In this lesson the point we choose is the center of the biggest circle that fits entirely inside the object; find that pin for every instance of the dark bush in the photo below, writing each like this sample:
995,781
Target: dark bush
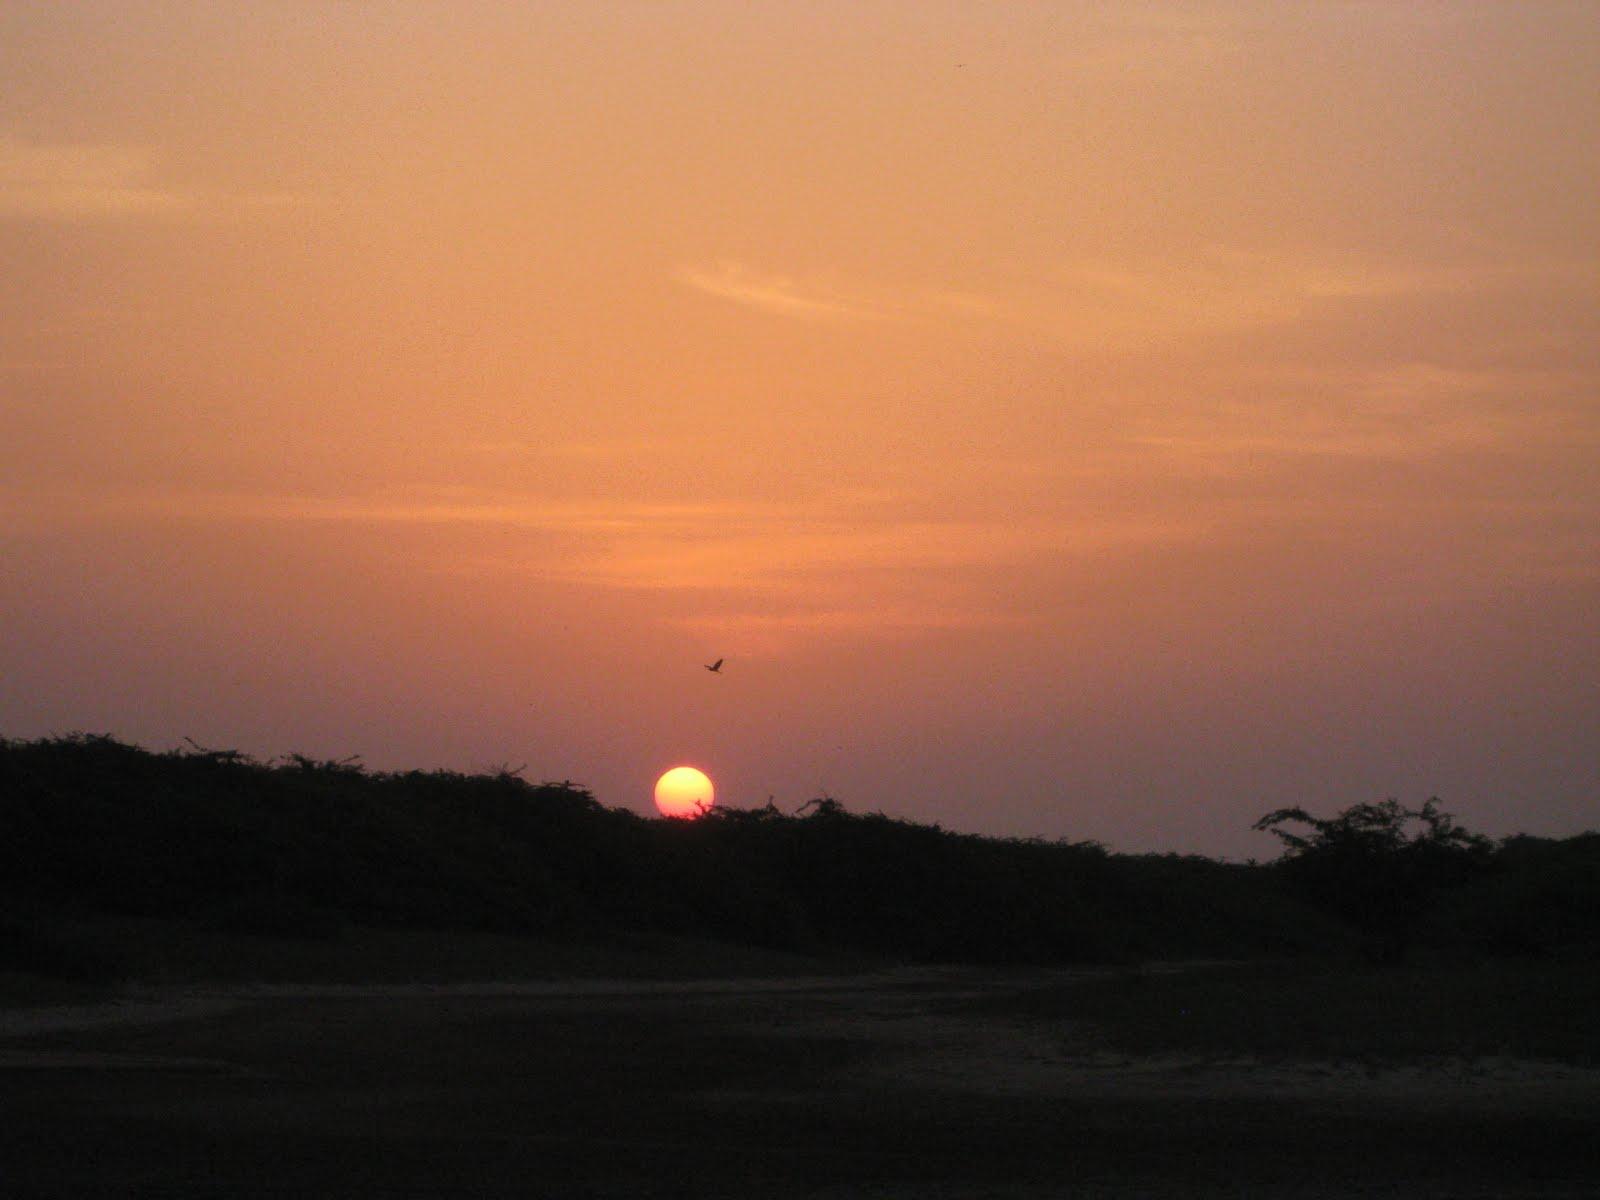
1379,867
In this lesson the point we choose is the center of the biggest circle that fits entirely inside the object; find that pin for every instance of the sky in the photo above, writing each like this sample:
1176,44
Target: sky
1076,420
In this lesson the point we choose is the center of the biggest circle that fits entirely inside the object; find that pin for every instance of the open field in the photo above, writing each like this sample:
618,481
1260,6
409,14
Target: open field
899,1082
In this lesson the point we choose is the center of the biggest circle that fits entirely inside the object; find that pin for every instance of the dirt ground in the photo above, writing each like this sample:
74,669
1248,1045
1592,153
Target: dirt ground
892,1084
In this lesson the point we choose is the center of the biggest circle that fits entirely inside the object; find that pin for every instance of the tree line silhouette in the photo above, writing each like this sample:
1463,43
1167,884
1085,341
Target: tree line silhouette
308,848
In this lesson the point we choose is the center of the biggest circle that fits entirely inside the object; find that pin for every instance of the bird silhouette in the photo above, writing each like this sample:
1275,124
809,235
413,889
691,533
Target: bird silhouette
715,668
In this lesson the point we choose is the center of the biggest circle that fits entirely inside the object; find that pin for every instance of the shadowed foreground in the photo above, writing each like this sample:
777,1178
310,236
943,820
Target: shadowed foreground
912,1083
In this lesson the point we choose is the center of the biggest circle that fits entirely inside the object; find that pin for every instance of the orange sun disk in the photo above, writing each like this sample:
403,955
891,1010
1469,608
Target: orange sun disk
684,792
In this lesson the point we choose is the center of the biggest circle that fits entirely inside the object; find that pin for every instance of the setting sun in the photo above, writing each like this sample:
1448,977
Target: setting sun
684,792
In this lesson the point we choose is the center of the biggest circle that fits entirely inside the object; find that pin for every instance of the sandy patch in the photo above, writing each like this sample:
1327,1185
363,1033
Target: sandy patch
930,1048
906,1015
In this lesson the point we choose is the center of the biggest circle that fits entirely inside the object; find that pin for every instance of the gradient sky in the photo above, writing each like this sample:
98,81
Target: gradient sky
1077,420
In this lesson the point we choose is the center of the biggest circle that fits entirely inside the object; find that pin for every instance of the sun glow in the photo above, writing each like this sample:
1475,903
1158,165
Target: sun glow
684,792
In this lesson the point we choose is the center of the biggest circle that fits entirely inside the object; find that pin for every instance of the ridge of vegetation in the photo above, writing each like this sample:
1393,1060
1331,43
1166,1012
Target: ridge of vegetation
309,849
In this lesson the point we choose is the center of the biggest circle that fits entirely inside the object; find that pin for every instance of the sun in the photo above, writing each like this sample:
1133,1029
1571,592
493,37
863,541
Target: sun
684,792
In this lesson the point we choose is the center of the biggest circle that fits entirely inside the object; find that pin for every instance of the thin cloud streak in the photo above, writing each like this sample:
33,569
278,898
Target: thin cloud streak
1107,303
819,563
773,632
73,182
84,181
442,506
858,300
776,294
1187,294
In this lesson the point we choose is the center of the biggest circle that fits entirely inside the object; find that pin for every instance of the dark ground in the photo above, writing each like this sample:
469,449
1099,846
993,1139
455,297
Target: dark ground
896,1084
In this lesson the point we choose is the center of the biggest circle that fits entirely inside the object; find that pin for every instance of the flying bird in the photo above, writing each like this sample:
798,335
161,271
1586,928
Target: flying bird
715,668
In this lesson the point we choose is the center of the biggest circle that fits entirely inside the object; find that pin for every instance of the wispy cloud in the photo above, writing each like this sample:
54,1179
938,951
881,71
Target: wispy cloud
29,366
463,505
1116,302
1224,286
1423,381
781,294
1121,301
771,631
854,560
836,299
781,551
96,180
1407,413
603,450
69,182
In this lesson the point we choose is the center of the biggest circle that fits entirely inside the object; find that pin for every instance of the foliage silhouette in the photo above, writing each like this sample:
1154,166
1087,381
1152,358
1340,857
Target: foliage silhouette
320,849
1540,899
1379,866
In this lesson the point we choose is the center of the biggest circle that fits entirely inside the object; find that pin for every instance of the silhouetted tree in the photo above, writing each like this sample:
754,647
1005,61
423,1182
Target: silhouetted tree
825,807
1378,866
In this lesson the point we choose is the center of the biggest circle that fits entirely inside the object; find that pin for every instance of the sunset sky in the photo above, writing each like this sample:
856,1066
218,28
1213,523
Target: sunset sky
1079,420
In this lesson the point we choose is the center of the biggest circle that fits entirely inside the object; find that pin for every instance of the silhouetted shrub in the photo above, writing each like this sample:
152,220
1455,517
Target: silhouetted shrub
1379,866
1542,899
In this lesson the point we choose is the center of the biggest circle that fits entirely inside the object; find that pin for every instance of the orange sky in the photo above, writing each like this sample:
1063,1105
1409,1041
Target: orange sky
1088,420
